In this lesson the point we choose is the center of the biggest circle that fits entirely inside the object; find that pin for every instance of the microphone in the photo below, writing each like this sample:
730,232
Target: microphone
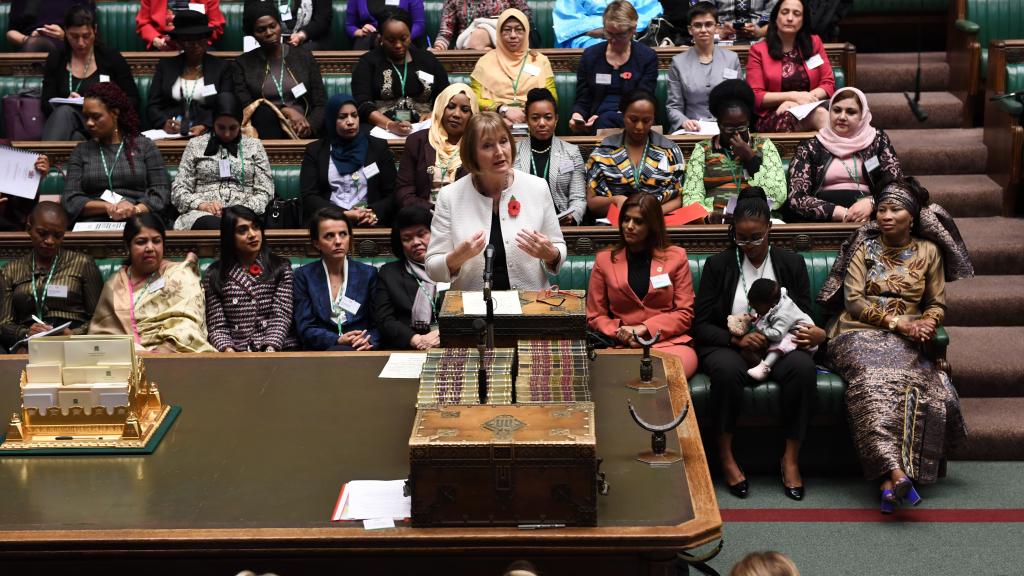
1018,95
488,262
915,106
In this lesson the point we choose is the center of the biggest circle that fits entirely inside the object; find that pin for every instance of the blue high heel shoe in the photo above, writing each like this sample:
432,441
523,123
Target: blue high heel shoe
889,502
905,492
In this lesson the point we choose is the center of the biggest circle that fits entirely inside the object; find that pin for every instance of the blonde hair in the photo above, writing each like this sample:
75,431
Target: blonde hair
767,563
621,14
481,125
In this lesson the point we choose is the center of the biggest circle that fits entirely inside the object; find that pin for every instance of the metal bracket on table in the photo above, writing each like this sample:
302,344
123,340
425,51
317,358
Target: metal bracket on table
647,382
659,454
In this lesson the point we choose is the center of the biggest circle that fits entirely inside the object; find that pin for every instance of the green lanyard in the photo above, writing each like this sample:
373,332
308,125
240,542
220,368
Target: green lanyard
278,82
336,308
192,93
637,172
444,169
734,168
743,277
854,174
40,301
533,166
433,304
110,170
402,75
75,88
515,83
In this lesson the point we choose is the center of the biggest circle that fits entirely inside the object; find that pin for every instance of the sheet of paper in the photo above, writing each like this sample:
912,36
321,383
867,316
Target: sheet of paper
803,110
567,211
707,128
75,101
158,134
373,499
404,365
98,227
505,302
385,135
378,523
18,174
55,330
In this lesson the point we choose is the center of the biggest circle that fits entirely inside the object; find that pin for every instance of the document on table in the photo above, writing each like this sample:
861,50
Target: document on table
372,499
159,134
74,101
803,110
505,302
385,135
54,330
18,174
98,227
707,128
404,365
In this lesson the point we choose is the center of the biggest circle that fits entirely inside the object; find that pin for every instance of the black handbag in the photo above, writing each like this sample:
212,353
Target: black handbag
282,213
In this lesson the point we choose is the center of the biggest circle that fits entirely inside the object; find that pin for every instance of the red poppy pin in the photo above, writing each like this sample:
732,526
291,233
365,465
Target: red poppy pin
255,269
513,207
626,75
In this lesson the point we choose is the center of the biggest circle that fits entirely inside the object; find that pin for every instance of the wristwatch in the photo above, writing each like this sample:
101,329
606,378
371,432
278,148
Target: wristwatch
503,109
892,323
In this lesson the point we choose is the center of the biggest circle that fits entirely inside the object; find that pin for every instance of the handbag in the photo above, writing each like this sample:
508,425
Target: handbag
283,213
23,115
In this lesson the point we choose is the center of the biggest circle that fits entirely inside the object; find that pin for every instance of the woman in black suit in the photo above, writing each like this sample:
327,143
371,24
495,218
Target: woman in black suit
348,168
184,87
723,357
407,299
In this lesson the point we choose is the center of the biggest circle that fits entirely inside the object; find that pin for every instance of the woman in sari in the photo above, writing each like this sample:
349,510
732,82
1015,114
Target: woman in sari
890,278
159,302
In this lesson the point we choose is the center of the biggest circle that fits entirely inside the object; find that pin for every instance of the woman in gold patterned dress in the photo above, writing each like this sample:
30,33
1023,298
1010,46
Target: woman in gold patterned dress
890,278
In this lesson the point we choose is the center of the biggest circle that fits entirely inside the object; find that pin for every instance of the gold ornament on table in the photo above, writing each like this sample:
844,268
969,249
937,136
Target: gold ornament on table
85,392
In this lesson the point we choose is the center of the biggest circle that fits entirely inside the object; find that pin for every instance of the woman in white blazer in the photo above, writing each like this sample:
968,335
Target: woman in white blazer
498,205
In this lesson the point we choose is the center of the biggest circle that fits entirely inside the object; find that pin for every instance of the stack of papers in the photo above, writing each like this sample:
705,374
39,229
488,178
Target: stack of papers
383,134
707,128
373,500
159,134
803,110
505,302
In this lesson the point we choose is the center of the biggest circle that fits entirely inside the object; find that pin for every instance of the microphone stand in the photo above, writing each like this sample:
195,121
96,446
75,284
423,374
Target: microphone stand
481,348
915,102
488,301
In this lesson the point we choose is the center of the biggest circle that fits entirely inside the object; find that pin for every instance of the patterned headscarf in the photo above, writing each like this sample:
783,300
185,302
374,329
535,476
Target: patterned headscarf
931,222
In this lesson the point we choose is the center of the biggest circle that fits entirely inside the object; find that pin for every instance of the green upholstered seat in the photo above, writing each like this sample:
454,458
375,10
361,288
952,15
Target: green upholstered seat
286,181
996,20
5,22
232,37
872,6
116,22
541,11
338,34
432,17
337,84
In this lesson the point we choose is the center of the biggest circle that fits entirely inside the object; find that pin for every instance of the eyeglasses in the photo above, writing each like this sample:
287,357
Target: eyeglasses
518,31
703,25
734,129
617,35
751,242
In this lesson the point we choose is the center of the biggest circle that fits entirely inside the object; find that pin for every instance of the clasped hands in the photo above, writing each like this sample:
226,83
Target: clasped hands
359,340
213,207
921,330
796,99
297,121
123,210
860,211
426,341
362,216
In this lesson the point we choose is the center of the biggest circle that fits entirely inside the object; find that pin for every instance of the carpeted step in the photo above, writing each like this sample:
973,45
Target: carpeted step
895,72
987,360
940,151
891,110
995,244
986,301
994,430
965,195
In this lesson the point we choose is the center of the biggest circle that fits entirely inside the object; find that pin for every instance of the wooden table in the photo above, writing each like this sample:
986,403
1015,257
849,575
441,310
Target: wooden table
248,475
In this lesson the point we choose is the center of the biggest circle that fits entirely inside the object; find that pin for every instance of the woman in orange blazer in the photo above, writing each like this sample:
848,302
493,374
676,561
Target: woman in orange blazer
643,285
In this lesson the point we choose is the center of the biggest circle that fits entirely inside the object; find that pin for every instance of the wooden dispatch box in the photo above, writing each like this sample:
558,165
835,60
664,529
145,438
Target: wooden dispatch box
484,465
539,320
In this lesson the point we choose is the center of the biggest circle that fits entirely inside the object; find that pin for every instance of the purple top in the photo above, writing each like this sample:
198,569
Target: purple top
27,15
358,13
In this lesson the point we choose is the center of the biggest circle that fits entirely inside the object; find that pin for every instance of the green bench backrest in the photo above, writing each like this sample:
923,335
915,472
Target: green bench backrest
116,23
1014,77
998,20
870,6
5,22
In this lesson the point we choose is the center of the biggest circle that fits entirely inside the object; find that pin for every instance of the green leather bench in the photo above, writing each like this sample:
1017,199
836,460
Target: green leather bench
286,181
892,6
992,20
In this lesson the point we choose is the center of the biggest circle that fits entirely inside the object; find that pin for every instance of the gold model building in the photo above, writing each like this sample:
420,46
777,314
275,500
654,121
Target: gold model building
84,392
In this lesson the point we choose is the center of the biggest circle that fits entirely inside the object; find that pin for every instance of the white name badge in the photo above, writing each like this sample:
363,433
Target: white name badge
442,286
197,7
349,305
814,61
663,164
531,69
56,291
225,168
157,285
371,170
104,78
299,90
603,79
660,281
249,44
209,90
425,77
871,164
111,196
391,2
286,12
730,74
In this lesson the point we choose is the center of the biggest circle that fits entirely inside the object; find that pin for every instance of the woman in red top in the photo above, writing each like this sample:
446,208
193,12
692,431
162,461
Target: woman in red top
788,69
156,18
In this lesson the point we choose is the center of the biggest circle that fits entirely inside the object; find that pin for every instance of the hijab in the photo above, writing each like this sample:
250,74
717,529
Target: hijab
447,154
225,104
846,146
497,71
347,155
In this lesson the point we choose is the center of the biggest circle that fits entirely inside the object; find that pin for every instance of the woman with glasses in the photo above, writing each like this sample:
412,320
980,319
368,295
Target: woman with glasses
610,69
185,86
503,77
581,23
722,166
725,358
472,25
696,71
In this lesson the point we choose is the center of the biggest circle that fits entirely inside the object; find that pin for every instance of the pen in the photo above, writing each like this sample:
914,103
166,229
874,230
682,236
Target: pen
38,320
428,41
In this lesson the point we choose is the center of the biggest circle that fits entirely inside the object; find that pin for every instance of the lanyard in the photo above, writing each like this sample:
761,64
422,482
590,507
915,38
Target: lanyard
278,82
533,166
241,156
110,170
743,277
336,308
515,83
433,304
192,93
86,70
734,168
132,303
854,174
637,172
46,287
402,75
444,169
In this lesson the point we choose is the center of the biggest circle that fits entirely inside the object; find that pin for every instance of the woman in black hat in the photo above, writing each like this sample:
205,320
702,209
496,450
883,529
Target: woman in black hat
184,87
281,82
221,169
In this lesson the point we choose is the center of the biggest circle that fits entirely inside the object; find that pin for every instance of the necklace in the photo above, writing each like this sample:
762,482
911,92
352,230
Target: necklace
544,151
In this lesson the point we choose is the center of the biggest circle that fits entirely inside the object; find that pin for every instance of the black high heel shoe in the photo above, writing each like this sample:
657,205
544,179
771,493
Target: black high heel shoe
740,489
791,492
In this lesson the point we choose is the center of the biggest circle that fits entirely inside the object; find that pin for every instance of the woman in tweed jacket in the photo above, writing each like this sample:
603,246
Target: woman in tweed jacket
249,290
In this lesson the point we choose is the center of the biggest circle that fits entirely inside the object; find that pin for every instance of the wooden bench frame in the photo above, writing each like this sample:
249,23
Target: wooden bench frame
1004,136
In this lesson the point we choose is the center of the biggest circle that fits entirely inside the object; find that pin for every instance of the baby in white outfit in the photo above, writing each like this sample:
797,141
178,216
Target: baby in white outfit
777,318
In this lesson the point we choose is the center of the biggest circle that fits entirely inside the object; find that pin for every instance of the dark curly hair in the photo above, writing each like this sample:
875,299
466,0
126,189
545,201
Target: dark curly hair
127,118
731,94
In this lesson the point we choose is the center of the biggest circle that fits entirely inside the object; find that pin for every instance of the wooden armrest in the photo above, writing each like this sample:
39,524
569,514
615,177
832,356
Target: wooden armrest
967,26
935,349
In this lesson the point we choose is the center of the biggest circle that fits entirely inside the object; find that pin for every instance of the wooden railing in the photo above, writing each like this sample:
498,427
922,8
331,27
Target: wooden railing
1004,135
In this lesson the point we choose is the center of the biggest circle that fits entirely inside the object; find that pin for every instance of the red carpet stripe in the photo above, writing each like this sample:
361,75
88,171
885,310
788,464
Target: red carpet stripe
872,515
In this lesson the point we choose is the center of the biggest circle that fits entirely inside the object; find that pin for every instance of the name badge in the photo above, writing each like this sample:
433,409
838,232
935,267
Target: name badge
286,12
871,164
425,77
299,90
349,305
391,2
209,90
249,44
814,61
197,7
56,291
111,196
225,168
403,116
157,285
371,170
531,69
730,74
660,281
442,286
663,164
603,79
104,78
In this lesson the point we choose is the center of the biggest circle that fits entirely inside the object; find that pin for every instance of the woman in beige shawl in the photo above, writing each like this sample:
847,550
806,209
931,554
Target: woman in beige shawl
158,302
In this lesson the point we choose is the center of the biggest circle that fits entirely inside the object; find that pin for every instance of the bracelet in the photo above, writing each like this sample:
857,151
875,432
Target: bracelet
387,125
